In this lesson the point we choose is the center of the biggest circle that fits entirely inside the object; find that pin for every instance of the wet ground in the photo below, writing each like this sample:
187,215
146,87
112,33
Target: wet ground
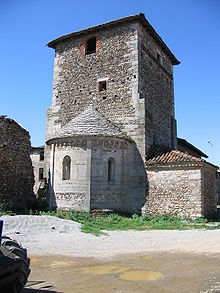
155,272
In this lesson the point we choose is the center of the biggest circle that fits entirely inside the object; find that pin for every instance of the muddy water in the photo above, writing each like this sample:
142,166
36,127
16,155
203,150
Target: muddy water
125,274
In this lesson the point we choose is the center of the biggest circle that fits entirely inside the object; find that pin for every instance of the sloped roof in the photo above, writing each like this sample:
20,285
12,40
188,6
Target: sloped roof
162,155
90,123
138,17
38,147
184,142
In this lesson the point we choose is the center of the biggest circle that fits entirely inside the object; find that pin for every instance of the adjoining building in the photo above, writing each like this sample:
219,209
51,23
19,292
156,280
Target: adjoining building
112,104
37,158
16,172
179,184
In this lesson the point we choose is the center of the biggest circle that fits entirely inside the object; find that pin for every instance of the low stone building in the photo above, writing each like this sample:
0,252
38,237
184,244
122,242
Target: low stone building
179,184
16,172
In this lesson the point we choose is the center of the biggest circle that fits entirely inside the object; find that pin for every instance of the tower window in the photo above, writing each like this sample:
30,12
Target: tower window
111,169
41,173
66,168
159,58
91,46
41,155
102,86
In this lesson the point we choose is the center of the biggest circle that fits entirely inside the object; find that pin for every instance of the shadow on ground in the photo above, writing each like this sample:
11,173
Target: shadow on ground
30,290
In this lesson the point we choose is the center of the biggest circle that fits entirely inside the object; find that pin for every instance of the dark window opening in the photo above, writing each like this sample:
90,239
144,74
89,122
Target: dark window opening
91,46
41,173
102,86
159,58
41,155
111,169
66,168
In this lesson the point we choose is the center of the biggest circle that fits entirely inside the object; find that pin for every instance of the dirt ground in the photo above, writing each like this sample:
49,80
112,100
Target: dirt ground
63,259
153,272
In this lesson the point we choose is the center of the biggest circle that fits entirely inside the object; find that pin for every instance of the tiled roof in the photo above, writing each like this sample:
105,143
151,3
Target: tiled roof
90,123
161,155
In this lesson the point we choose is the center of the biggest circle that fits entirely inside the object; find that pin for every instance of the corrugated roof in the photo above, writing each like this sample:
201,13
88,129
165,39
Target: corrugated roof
90,123
139,17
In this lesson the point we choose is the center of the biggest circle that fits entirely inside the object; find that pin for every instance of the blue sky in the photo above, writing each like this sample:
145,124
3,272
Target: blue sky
190,28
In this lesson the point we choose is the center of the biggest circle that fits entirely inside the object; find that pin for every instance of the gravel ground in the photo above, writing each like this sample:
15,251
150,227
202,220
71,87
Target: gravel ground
45,235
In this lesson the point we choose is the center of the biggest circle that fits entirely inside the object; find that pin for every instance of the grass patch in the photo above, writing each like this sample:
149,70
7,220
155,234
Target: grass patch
95,224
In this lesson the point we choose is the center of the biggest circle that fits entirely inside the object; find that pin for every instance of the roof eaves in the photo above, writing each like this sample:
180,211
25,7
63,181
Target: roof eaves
192,147
37,147
138,17
53,43
70,138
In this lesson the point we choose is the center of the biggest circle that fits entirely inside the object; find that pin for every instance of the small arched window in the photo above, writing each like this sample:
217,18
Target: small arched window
66,168
111,169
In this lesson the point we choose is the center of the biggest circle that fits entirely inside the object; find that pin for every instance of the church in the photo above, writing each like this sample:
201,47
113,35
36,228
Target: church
111,139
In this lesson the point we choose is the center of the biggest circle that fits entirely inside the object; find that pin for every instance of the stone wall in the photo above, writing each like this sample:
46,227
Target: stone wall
186,191
72,193
156,87
174,192
76,78
209,206
89,186
110,194
139,97
16,172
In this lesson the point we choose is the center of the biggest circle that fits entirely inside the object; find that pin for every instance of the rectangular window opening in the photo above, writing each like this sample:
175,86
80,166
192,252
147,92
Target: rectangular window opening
102,86
41,155
159,58
91,46
41,173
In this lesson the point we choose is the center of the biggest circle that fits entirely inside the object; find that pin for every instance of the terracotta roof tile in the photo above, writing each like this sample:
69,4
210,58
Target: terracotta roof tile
165,155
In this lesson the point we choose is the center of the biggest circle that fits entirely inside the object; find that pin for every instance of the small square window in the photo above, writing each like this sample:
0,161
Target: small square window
102,86
91,46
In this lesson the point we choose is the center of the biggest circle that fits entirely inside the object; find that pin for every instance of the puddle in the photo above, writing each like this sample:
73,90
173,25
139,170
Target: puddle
124,273
162,273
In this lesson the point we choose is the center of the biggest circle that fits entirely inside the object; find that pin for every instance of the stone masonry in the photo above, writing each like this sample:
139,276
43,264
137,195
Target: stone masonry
116,76
16,173
179,185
